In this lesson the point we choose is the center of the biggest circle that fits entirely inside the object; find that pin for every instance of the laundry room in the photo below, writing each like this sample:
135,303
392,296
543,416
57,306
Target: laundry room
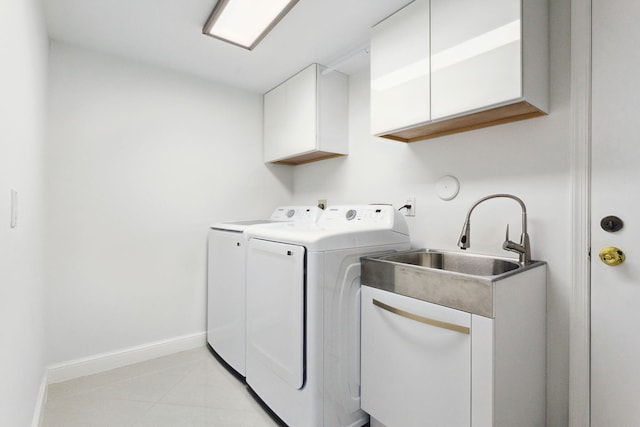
122,145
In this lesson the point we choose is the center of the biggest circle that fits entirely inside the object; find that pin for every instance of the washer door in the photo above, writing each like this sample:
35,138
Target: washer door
226,315
275,310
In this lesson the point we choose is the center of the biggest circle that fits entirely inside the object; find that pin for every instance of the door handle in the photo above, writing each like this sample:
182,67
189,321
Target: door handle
422,319
612,256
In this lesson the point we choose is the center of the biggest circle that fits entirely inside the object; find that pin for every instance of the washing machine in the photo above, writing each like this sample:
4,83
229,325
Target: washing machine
303,311
226,296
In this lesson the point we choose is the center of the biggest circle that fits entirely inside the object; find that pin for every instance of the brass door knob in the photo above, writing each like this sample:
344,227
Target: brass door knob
611,256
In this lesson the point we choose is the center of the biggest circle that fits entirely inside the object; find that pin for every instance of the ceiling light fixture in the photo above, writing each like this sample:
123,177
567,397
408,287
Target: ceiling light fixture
245,23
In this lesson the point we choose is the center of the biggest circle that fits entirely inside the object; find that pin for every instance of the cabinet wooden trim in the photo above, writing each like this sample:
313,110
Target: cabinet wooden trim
308,158
509,113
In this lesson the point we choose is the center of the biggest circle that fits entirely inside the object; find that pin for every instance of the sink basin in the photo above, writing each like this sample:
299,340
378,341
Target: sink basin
455,262
458,280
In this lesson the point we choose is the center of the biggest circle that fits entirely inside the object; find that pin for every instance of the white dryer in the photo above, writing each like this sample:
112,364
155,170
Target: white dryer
226,293
303,311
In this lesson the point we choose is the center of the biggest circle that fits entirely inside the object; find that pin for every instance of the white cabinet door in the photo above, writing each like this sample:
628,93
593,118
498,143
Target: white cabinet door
275,311
400,69
414,373
290,116
475,55
302,110
275,119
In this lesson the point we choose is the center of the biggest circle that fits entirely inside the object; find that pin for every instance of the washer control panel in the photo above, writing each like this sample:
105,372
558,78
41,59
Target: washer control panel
308,214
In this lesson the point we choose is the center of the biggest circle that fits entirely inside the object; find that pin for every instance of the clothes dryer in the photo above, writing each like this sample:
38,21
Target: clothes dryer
226,296
303,311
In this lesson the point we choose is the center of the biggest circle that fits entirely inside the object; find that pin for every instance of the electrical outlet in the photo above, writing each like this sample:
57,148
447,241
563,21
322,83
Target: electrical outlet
322,203
411,200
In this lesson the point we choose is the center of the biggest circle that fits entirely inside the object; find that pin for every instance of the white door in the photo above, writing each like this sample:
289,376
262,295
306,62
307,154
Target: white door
615,290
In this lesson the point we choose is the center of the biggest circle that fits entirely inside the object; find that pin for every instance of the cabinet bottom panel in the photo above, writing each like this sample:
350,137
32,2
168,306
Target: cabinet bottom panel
505,114
308,158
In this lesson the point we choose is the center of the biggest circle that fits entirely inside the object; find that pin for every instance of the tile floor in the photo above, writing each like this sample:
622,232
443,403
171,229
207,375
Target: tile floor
185,389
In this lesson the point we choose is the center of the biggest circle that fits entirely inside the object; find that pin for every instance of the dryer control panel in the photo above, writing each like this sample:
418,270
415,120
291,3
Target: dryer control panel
383,216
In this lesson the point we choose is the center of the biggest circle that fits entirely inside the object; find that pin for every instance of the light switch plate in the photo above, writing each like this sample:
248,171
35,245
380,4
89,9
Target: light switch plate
14,208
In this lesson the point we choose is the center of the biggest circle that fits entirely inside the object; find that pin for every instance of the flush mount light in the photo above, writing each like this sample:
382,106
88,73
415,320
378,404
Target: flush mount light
245,23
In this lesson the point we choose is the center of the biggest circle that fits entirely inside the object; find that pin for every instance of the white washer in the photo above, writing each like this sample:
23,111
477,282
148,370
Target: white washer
226,296
303,311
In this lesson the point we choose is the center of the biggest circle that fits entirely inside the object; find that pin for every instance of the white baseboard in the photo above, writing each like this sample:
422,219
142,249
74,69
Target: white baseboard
106,361
38,413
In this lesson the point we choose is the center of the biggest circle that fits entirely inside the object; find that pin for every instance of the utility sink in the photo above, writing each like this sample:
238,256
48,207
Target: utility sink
456,262
458,280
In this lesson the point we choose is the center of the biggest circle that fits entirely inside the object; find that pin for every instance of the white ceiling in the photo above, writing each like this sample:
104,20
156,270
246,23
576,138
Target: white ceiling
168,33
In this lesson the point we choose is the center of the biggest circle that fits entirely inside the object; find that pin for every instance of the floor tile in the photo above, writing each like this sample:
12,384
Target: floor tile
88,410
164,415
177,362
148,388
184,389
209,389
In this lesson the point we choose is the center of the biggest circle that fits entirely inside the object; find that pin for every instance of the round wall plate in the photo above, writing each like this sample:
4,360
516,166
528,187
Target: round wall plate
447,187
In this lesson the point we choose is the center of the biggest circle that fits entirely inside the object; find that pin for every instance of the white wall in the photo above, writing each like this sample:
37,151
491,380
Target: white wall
140,162
529,159
23,43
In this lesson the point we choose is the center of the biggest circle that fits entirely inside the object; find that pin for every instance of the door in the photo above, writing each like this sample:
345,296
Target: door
275,311
615,290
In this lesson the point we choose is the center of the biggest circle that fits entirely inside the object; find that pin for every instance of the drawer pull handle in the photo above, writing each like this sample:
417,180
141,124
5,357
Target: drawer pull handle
422,319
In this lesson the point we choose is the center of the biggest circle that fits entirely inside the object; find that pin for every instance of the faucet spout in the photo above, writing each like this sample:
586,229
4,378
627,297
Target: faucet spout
463,241
523,249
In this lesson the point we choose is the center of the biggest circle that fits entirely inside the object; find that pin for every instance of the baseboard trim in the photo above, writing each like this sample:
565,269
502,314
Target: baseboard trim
103,362
38,412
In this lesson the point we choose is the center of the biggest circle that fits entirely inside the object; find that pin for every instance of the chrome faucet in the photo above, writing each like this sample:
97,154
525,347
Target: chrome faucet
523,249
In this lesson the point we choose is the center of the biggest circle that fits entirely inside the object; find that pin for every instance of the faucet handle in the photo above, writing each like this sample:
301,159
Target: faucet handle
508,244
512,246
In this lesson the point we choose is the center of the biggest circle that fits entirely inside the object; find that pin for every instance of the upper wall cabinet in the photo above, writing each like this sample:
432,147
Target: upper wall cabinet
306,117
446,66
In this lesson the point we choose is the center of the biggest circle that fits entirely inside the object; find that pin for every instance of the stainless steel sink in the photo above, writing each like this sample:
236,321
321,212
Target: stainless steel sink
458,280
456,262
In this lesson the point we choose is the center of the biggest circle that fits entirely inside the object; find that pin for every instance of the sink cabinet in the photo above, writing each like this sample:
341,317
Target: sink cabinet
474,64
306,117
490,372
